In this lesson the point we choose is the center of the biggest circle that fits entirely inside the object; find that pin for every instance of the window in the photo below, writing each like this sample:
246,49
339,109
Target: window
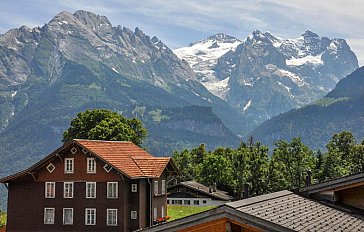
204,201
68,190
156,187
49,215
50,189
155,214
134,188
186,202
68,165
50,168
107,168
162,209
90,217
196,202
73,150
91,165
167,202
67,216
112,217
133,215
112,189
90,189
163,186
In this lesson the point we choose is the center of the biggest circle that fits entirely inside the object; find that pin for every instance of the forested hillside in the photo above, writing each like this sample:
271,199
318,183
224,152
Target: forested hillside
341,109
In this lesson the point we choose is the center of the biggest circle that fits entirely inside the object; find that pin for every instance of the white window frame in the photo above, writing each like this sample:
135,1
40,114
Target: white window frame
155,213
91,162
50,167
108,217
134,188
63,220
72,165
88,213
68,193
89,194
133,215
107,168
155,187
74,150
114,196
163,186
51,194
51,222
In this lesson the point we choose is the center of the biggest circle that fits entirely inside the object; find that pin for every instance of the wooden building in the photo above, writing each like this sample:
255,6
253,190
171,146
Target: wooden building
346,192
196,194
89,185
282,211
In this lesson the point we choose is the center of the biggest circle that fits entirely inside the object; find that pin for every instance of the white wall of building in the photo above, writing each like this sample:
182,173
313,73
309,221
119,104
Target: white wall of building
201,201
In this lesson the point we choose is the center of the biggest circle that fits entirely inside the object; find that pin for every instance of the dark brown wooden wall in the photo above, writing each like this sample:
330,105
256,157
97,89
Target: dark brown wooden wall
352,196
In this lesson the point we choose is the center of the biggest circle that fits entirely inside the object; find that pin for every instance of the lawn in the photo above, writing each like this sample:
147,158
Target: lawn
2,219
180,211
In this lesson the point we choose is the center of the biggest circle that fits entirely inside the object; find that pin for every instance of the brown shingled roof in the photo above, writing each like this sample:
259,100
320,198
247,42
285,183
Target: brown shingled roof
282,211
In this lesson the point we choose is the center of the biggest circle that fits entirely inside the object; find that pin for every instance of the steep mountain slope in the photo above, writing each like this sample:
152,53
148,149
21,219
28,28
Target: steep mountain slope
80,61
265,75
203,56
341,109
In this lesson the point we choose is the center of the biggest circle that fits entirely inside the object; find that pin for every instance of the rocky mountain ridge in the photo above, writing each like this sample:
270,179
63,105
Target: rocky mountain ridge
266,75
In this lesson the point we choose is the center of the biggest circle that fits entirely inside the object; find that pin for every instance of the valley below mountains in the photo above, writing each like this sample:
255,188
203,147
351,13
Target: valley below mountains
214,91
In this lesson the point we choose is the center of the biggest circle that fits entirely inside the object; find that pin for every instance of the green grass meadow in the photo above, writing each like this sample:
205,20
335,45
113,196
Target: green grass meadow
180,211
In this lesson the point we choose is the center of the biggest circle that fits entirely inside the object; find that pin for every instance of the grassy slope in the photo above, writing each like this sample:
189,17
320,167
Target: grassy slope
2,219
179,211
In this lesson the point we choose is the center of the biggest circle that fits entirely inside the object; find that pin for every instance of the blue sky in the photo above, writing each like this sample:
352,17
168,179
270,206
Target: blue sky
178,23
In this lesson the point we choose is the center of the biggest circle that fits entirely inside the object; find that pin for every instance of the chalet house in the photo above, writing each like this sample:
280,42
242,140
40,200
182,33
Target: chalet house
196,194
89,185
335,205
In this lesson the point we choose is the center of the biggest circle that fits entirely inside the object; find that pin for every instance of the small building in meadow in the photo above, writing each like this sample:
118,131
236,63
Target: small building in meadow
88,185
196,194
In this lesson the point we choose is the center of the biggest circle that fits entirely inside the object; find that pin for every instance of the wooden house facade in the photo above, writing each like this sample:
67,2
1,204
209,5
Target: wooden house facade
196,194
89,185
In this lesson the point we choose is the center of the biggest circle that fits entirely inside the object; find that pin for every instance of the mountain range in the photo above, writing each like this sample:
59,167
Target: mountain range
214,91
80,61
341,109
264,75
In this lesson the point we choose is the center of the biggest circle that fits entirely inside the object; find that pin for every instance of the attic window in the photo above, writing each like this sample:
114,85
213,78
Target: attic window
84,151
50,168
73,150
107,168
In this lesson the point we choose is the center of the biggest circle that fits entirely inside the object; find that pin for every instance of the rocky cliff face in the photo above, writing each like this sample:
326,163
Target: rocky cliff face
266,75
80,61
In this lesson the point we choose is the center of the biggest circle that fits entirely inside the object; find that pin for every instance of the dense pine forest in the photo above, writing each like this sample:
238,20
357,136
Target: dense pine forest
286,167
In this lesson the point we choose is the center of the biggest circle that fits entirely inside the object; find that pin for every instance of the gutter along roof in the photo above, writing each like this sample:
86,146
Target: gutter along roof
125,157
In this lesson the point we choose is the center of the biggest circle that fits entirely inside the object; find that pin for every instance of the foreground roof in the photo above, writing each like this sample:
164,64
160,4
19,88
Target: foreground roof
336,184
280,211
126,157
221,195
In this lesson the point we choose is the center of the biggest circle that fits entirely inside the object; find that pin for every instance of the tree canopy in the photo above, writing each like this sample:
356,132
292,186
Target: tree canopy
286,168
102,124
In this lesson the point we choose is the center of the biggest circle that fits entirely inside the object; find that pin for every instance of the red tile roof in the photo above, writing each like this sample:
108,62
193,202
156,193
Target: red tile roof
127,157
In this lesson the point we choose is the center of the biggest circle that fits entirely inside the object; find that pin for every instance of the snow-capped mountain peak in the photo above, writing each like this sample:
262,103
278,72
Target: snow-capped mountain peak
266,75
203,56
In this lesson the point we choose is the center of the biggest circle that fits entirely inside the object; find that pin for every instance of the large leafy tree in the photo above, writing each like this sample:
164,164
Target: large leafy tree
102,124
294,159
